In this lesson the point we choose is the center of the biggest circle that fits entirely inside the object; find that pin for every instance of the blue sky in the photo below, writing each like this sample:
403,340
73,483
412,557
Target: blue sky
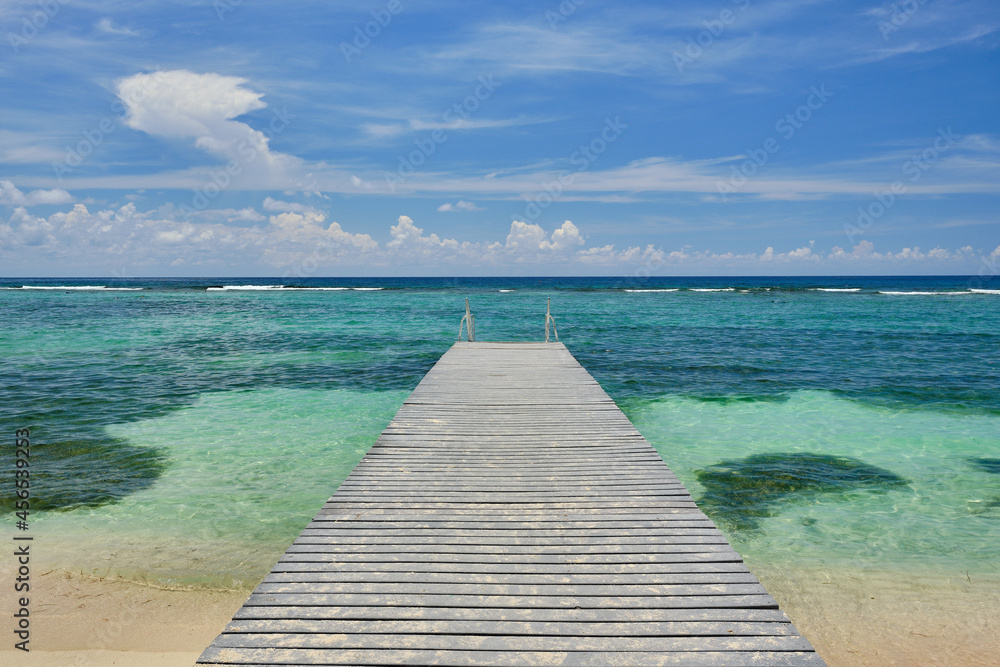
736,137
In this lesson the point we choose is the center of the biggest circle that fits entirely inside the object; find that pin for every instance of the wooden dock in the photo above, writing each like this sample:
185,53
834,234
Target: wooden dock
510,514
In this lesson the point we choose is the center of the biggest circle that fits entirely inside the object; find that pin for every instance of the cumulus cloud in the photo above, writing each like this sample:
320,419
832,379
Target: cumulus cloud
459,206
528,241
864,252
246,214
311,227
180,104
11,196
409,242
564,238
524,238
100,238
648,256
298,240
183,104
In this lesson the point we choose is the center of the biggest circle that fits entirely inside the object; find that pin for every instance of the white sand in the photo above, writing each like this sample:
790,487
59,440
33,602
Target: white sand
78,621
864,617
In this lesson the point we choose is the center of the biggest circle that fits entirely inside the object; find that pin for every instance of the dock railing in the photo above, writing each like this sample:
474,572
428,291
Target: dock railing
548,319
469,322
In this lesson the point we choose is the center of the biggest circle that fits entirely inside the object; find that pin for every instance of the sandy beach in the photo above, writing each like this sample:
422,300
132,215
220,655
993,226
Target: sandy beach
82,621
866,617
859,618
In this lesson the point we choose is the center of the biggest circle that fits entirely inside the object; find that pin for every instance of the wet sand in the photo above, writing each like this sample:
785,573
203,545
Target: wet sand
852,618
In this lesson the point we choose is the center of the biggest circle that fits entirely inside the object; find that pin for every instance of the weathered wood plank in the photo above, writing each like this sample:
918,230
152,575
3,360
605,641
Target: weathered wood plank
435,642
513,590
320,537
511,549
760,601
508,578
499,614
301,555
486,628
276,656
579,569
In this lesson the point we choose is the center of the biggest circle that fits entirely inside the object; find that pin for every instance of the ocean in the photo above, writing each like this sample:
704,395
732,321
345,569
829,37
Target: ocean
185,430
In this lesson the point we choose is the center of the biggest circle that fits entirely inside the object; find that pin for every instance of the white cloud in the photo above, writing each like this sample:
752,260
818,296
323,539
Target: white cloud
634,256
356,183
383,130
11,196
525,238
461,205
408,242
379,131
106,25
309,227
803,253
472,124
180,104
529,242
300,240
271,204
863,250
513,48
564,238
183,104
245,215
620,43
22,148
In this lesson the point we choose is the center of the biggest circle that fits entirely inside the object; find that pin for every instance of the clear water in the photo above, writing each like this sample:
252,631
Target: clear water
184,434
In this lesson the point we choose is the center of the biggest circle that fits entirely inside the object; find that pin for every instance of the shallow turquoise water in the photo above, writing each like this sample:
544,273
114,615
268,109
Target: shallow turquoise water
244,472
185,435
945,515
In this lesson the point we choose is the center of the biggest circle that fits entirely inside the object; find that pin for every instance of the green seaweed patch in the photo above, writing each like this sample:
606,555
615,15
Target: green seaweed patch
87,472
741,492
991,466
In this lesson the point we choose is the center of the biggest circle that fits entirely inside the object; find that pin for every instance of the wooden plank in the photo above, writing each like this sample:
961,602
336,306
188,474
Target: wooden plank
297,555
513,590
276,656
487,628
318,537
512,549
434,642
510,514
499,615
509,578
755,601
526,569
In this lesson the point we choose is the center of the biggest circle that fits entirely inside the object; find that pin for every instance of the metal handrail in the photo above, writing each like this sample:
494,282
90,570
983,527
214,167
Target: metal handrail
469,322
548,318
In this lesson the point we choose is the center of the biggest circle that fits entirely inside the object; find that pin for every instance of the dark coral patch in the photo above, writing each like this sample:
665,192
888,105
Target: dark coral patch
88,472
741,492
991,466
